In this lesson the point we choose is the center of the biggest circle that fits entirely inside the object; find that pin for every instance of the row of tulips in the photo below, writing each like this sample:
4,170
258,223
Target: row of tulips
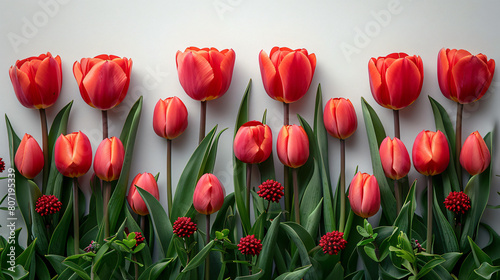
205,74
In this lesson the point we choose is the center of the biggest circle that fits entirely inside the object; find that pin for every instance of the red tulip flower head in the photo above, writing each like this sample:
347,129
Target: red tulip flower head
286,73
430,153
475,156
395,158
108,159
103,80
340,118
29,157
364,195
292,146
37,80
147,182
205,74
208,195
463,77
170,118
73,154
253,142
396,80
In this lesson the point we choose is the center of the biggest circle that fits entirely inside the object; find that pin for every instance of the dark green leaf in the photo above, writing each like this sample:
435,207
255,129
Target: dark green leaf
153,271
297,274
199,258
77,269
58,240
486,270
445,239
269,245
429,266
254,276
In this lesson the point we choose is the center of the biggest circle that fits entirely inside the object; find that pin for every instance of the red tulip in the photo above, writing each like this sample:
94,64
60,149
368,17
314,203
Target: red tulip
430,153
147,182
37,80
103,80
364,195
208,195
170,118
292,146
475,156
286,73
253,142
395,158
108,159
396,80
340,118
463,77
205,74
29,157
73,154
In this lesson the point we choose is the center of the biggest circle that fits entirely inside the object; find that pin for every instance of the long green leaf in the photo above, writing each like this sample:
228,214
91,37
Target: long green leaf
199,258
183,198
239,168
297,274
405,219
210,164
77,269
446,241
375,132
486,270
302,240
127,137
26,256
312,195
38,225
153,271
269,245
254,276
58,240
162,227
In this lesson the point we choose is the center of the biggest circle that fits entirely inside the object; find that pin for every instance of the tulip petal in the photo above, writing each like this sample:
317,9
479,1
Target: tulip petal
195,74
296,75
104,84
270,77
470,76
48,80
403,83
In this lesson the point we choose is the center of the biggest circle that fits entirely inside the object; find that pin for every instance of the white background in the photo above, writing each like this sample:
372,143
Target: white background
344,35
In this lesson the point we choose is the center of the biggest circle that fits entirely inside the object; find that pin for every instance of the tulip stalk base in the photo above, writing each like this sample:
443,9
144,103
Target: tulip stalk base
203,120
76,222
249,182
296,196
207,259
430,193
342,185
288,199
45,143
458,143
104,124
169,176
397,130
397,193
107,194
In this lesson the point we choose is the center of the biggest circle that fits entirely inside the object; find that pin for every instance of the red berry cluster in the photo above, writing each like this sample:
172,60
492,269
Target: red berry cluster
250,245
332,242
457,202
271,190
138,238
2,165
184,227
417,246
93,247
47,205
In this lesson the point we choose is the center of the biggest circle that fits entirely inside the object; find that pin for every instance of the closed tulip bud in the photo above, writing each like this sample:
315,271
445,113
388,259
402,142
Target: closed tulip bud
463,77
286,73
147,182
253,142
205,74
37,80
430,153
29,157
73,154
340,118
395,158
475,156
108,159
364,195
396,80
292,146
103,80
208,195
170,118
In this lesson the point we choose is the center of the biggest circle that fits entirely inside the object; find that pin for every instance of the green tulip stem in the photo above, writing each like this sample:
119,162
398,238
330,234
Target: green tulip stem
458,143
104,124
107,194
296,195
143,224
397,193
348,226
203,120
342,185
45,143
169,176
249,182
136,268
76,222
207,259
429,214
288,198
397,130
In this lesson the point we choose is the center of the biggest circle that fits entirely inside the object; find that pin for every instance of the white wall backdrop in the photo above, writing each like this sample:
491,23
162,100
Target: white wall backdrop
342,34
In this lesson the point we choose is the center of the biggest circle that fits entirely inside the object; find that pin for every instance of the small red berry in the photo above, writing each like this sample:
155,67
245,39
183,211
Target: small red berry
183,227
47,205
138,238
457,202
250,245
2,165
271,190
332,242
